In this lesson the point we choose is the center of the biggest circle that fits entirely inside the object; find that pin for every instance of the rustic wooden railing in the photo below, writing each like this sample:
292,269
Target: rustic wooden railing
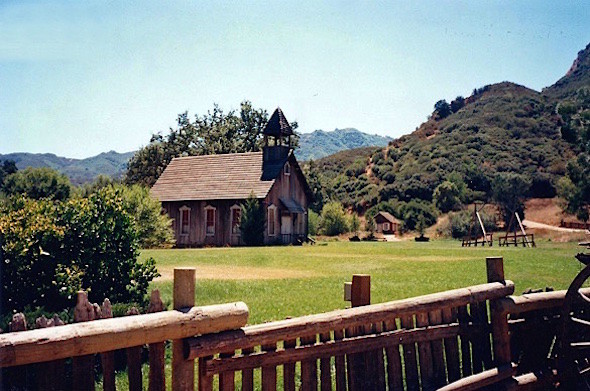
453,340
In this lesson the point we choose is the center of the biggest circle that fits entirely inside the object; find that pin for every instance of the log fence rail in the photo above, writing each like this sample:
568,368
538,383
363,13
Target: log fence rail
455,340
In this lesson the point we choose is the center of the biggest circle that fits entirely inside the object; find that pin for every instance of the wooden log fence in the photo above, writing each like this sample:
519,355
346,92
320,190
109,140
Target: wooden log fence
454,340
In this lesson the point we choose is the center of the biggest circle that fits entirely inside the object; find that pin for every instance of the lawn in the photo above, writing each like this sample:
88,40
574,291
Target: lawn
277,282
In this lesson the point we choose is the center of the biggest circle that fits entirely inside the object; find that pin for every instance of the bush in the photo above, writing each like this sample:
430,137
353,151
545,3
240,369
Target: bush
447,197
313,222
333,220
53,249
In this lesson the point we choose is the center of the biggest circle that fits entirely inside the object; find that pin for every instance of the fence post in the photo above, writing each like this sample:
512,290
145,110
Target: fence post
183,371
360,295
500,331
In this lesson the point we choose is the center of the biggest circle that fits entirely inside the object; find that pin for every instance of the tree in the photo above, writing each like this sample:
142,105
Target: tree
354,224
252,223
313,222
447,197
216,132
318,190
442,108
457,104
54,248
574,188
7,168
38,183
333,219
509,192
414,212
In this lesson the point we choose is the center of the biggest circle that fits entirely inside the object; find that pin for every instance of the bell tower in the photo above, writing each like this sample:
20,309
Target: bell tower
277,137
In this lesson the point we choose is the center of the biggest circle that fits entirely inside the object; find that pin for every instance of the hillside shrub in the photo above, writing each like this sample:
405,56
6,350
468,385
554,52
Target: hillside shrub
52,249
333,219
447,197
415,211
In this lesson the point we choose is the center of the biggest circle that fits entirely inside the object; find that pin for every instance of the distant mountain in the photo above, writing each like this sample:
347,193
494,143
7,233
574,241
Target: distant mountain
79,171
320,143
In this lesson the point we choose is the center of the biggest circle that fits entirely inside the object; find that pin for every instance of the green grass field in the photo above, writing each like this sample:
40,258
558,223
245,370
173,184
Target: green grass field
277,282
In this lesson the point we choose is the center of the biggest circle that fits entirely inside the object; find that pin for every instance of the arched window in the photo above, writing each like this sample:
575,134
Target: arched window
210,220
287,169
185,220
272,220
235,216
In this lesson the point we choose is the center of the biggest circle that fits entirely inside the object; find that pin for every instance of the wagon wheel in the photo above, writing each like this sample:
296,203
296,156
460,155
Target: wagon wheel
574,354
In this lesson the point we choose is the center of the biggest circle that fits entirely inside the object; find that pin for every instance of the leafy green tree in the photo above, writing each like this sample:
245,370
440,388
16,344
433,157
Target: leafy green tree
447,197
509,191
333,220
53,248
216,132
38,183
442,109
252,222
318,190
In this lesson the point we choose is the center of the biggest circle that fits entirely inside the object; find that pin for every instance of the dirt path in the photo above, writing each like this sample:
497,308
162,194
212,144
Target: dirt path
534,224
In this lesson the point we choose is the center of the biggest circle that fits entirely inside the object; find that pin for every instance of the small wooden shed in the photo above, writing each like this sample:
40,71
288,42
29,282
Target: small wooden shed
385,223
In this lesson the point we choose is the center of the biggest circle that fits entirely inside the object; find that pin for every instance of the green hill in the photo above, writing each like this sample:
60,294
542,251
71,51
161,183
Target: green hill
79,171
320,143
500,128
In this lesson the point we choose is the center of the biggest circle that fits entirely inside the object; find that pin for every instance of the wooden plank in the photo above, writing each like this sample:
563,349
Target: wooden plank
134,361
325,366
17,378
205,382
110,334
340,364
486,346
289,368
466,368
534,301
425,356
483,379
269,372
449,315
107,359
410,363
394,364
157,360
50,375
309,375
476,341
227,379
359,364
248,375
438,356
379,361
340,319
83,365
183,370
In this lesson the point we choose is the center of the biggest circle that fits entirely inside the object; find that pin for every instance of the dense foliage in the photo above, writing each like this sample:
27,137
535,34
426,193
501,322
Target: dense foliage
252,224
333,219
38,183
7,167
53,248
216,132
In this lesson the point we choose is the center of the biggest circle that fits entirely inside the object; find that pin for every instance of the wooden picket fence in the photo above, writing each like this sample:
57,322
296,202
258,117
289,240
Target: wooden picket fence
453,340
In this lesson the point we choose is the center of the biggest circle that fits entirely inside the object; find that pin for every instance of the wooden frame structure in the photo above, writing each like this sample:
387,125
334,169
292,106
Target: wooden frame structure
473,238
455,340
513,237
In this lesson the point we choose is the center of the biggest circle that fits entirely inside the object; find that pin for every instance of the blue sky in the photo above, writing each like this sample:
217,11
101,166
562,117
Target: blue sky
80,78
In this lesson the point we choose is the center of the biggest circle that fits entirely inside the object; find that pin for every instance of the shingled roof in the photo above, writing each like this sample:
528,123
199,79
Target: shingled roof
278,125
217,177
